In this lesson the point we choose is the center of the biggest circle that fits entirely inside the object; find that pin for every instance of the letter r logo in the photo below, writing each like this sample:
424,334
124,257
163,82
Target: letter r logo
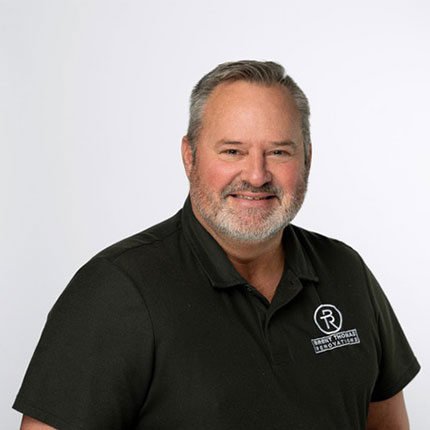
328,319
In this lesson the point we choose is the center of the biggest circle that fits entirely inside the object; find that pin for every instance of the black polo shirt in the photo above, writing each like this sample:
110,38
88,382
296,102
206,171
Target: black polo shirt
160,332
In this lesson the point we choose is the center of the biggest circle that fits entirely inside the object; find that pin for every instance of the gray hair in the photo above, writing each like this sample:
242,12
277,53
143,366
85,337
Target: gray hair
262,72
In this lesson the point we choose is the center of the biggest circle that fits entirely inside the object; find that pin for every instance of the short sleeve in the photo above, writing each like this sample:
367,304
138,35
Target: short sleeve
92,367
397,363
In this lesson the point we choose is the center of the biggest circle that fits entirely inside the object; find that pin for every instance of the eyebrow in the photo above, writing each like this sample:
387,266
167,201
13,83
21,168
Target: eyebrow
228,142
275,143
285,143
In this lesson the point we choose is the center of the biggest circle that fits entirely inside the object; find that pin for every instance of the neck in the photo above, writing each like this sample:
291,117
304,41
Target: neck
260,263
251,254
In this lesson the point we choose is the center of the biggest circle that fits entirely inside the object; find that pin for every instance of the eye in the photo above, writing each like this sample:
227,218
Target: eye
280,153
231,152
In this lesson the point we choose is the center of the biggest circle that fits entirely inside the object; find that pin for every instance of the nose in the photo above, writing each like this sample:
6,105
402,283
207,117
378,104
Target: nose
255,170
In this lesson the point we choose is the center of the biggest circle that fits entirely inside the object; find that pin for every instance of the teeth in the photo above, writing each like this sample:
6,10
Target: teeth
250,198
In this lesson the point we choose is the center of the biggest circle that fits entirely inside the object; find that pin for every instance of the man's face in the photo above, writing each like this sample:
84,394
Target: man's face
249,176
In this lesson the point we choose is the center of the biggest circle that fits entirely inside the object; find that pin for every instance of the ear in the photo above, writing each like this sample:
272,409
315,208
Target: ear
187,156
309,161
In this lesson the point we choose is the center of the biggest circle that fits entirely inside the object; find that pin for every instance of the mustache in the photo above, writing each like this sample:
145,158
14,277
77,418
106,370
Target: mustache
246,186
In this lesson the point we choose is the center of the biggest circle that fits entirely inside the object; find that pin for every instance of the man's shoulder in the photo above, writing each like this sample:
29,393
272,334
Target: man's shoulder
113,276
145,242
334,262
322,245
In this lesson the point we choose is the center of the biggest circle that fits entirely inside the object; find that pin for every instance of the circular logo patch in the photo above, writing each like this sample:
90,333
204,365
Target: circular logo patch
328,319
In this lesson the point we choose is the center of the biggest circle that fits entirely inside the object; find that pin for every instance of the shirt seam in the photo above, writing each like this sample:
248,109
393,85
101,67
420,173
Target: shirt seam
401,382
376,314
28,404
141,245
145,305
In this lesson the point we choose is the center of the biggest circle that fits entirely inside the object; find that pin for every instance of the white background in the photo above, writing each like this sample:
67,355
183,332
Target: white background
93,105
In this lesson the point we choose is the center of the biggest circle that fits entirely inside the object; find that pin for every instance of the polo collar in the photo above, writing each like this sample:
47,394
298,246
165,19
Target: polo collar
296,257
218,267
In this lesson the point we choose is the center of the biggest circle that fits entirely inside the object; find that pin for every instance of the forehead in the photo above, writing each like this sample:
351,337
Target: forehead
241,106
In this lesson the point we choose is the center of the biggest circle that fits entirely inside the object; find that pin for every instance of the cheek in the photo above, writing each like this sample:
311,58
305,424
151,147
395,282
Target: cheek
288,176
217,175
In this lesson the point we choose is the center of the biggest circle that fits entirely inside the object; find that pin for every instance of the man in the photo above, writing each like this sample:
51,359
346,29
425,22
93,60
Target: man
226,316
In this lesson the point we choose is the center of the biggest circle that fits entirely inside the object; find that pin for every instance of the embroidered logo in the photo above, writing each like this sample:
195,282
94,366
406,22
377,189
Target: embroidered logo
329,320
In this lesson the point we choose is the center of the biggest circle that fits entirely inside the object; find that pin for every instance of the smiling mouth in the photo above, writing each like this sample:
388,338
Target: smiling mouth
241,196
